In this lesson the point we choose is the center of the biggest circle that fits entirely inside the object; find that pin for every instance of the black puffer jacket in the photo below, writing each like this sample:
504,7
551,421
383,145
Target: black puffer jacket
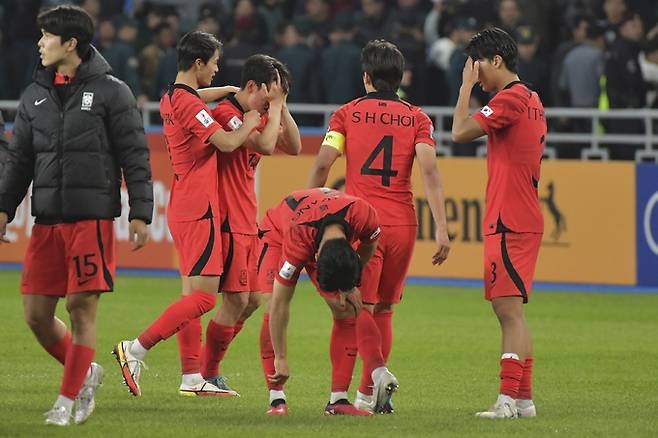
74,152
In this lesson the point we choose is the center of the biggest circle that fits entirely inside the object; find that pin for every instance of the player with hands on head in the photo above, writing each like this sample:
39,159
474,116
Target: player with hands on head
513,225
194,140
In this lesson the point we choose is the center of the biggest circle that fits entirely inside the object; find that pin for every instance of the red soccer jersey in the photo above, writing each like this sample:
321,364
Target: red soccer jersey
187,124
515,123
378,134
237,172
297,221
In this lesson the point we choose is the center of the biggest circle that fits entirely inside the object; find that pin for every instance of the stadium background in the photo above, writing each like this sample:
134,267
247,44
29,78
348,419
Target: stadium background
601,217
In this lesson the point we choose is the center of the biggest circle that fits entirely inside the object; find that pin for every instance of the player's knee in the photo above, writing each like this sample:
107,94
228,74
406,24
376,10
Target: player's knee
37,321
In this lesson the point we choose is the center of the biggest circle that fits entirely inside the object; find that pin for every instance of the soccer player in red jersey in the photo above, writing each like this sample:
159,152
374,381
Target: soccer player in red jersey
76,132
264,87
315,229
513,224
380,135
193,140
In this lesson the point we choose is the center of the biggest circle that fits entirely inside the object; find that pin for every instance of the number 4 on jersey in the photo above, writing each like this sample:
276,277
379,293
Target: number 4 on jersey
385,144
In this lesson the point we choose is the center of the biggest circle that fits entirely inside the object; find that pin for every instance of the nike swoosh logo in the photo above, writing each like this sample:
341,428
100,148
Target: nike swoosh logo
81,282
39,102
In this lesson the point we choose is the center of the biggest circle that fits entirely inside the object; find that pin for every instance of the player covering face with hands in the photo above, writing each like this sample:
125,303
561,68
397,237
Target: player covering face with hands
315,229
513,224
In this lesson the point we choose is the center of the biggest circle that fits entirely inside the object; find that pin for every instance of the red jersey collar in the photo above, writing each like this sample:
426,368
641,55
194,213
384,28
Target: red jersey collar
61,79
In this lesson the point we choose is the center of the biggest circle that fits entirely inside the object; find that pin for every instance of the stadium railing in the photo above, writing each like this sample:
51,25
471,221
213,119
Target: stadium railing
594,140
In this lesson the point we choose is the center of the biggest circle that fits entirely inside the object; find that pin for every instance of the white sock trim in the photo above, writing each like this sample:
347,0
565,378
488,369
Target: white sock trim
335,396
276,394
64,401
510,356
362,396
191,379
137,349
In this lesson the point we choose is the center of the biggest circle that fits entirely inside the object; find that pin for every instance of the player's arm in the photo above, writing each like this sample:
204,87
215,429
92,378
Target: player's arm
17,169
366,250
126,133
323,162
265,142
279,316
426,156
464,127
290,140
230,141
212,94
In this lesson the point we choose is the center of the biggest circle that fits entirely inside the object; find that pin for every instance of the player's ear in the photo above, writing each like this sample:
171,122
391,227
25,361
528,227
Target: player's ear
71,44
497,61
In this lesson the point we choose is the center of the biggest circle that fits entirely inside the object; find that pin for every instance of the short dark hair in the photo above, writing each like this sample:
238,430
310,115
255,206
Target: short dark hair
595,29
67,21
196,45
491,42
262,69
384,63
339,266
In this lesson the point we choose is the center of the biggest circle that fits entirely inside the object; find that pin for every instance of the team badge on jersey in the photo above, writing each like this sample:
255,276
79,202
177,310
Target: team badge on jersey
486,111
287,271
235,123
87,101
205,119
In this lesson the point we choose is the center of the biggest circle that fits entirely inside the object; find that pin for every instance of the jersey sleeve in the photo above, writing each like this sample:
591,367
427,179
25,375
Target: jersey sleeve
503,110
195,116
296,252
335,136
425,132
366,222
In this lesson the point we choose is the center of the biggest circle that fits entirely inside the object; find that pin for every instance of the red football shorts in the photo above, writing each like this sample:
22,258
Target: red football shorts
199,246
68,258
270,262
240,262
509,264
382,278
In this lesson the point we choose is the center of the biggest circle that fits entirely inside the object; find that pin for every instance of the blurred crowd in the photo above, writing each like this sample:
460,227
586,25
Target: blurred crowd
579,53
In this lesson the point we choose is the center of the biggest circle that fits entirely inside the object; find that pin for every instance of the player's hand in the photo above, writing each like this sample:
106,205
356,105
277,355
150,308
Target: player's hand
442,247
4,219
137,233
228,89
471,73
352,299
281,373
275,93
251,119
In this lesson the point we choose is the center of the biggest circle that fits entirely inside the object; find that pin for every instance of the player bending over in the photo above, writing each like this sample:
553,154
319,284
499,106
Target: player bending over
513,224
315,229
380,135
193,140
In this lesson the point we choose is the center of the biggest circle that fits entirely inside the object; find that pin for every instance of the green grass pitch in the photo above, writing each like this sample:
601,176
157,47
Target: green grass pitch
595,372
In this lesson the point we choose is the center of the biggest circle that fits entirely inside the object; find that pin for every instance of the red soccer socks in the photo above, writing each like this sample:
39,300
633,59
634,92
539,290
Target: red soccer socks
511,372
59,349
177,316
218,338
189,347
76,365
525,387
342,351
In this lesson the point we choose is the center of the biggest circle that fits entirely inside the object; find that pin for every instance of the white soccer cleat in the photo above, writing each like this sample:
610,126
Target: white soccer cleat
384,387
84,402
131,367
526,408
204,388
364,402
505,407
58,416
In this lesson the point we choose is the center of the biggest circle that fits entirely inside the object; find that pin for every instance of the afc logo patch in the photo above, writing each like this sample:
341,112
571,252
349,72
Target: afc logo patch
486,111
235,123
287,270
243,277
205,119
87,101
